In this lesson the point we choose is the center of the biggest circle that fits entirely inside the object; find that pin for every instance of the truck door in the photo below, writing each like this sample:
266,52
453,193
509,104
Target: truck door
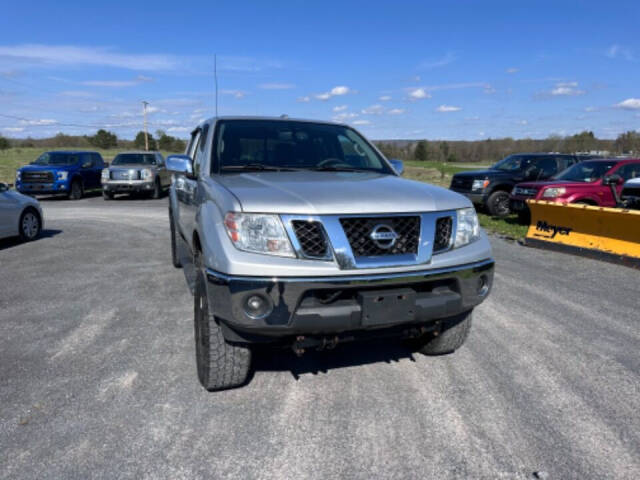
186,188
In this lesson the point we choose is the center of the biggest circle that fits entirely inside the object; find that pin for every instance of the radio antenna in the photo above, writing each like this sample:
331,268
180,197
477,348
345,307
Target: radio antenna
215,77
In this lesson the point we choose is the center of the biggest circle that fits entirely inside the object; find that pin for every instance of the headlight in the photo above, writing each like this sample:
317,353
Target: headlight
63,175
18,175
554,192
258,233
146,174
105,174
467,227
479,184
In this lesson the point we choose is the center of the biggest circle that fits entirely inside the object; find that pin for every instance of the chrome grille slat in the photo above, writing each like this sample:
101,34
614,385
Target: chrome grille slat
313,241
358,231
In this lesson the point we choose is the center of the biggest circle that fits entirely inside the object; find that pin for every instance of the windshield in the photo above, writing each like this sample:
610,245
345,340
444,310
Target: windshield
52,158
514,163
284,145
134,159
586,171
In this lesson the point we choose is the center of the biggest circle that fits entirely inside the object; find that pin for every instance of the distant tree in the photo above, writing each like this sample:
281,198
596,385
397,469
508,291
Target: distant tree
27,143
178,145
103,139
628,142
444,149
421,153
139,142
4,143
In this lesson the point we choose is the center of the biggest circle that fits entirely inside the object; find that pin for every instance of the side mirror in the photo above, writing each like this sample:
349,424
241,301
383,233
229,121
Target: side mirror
106,164
612,180
180,164
398,165
3,187
86,164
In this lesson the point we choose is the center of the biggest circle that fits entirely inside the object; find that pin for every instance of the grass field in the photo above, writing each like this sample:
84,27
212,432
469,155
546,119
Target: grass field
430,172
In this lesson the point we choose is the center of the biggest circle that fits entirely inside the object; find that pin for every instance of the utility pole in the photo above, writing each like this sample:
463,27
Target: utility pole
146,135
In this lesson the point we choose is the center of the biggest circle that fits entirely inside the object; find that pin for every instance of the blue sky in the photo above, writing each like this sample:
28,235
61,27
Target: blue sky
435,70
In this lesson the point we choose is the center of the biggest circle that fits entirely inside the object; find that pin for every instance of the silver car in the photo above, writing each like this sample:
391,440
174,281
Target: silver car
20,215
303,234
136,172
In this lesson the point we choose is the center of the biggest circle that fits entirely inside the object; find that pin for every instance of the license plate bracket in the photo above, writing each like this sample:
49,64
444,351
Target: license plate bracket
381,307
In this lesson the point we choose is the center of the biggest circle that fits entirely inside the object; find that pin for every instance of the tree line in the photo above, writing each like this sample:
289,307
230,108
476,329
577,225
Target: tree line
102,139
493,149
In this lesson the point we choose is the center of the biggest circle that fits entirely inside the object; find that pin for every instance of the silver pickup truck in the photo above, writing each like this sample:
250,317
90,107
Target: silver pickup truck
301,234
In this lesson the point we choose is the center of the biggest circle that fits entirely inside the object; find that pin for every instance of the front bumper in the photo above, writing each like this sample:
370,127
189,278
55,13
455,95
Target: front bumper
59,186
477,198
331,305
128,186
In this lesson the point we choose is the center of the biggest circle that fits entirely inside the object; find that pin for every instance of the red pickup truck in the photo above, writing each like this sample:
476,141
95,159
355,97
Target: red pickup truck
581,183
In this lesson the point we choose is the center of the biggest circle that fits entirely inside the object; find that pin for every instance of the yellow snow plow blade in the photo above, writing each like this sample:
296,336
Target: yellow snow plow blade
611,234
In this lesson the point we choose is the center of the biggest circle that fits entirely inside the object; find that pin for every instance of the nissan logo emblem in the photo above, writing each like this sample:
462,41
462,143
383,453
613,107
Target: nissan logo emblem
383,236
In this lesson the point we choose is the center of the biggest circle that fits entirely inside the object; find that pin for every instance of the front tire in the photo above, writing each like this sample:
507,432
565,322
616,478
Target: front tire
453,334
75,193
157,190
107,195
220,364
498,204
30,225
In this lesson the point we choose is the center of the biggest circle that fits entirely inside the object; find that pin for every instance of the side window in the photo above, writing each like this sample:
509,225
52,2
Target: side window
193,144
87,160
547,166
199,152
629,171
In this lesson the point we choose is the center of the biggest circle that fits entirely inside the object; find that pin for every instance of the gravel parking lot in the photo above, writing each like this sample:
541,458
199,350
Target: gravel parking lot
97,373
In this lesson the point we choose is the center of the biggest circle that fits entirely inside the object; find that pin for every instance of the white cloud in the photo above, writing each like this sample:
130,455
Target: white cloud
339,108
65,55
341,117
618,51
304,99
629,104
448,108
178,129
523,122
418,94
513,70
276,86
568,89
590,109
376,109
340,90
152,109
118,83
235,93
43,121
448,58
396,111
76,93
384,98
489,90
12,129
362,122
323,96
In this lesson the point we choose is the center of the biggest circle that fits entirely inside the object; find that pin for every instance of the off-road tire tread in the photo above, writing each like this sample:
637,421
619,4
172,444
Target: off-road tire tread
224,365
452,336
490,202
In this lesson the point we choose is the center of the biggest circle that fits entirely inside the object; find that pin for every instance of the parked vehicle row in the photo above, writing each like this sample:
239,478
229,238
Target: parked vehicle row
73,173
506,186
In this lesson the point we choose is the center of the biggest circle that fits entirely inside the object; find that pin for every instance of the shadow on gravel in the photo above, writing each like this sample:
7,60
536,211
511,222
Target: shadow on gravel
345,355
15,241
63,198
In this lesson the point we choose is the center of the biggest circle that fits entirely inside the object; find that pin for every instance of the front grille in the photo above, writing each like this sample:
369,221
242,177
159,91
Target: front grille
359,230
525,192
442,235
124,174
37,177
311,237
461,183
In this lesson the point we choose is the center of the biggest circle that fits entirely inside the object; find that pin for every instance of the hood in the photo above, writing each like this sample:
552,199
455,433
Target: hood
45,168
326,193
548,183
21,199
491,173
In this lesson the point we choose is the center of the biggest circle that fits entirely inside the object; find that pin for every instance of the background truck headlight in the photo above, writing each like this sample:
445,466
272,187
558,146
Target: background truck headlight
479,184
554,192
105,174
258,233
63,175
146,174
467,227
